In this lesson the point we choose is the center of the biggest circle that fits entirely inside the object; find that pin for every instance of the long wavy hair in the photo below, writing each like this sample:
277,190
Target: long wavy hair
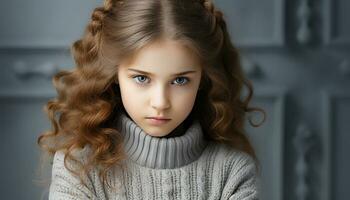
88,100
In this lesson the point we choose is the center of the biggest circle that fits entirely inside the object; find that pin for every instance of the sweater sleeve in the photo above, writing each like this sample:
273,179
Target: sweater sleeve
65,185
243,179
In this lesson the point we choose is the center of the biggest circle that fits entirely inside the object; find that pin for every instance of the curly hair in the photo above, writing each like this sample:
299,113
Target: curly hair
88,99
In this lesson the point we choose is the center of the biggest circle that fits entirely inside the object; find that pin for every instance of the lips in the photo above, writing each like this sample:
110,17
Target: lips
157,121
158,118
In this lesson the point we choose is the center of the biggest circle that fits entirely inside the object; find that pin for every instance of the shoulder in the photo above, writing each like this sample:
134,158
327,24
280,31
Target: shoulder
79,154
65,183
230,153
59,165
235,162
241,173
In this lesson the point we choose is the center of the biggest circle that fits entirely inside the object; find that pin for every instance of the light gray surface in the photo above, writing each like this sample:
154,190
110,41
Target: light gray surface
294,83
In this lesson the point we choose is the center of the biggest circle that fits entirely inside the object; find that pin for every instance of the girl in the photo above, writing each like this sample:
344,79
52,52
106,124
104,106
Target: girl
153,108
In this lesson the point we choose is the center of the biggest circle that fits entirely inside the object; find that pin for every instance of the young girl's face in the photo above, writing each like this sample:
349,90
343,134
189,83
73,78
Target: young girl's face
161,80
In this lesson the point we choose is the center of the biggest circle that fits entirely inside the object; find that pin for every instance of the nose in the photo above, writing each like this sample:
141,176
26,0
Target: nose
159,99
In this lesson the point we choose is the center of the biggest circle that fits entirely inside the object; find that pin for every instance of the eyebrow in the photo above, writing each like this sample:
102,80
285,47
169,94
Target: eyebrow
150,74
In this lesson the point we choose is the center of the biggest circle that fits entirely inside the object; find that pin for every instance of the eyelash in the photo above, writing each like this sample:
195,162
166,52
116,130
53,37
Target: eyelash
186,82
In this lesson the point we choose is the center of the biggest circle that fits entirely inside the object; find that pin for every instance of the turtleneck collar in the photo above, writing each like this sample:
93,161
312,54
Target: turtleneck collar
161,152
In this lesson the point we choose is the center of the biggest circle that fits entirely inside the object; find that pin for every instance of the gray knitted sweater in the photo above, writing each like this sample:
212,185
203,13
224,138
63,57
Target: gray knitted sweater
182,167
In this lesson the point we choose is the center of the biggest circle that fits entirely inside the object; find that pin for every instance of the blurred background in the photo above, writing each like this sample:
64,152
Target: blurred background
296,52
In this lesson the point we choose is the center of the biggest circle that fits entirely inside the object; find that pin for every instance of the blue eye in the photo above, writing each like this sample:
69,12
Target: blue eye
140,81
184,80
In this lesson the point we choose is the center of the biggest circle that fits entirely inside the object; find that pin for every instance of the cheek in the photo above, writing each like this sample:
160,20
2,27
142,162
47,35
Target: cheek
130,97
184,102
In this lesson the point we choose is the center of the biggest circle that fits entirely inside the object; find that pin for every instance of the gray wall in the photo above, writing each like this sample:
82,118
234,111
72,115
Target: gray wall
296,52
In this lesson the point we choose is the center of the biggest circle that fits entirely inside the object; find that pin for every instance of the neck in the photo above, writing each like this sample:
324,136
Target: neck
182,146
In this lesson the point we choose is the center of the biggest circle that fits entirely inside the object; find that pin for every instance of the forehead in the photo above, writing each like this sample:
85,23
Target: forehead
167,54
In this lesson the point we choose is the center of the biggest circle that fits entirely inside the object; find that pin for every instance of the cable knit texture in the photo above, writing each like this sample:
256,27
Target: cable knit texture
183,167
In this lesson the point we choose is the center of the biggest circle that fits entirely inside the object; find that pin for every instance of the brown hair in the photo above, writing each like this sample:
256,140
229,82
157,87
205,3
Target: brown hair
89,100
